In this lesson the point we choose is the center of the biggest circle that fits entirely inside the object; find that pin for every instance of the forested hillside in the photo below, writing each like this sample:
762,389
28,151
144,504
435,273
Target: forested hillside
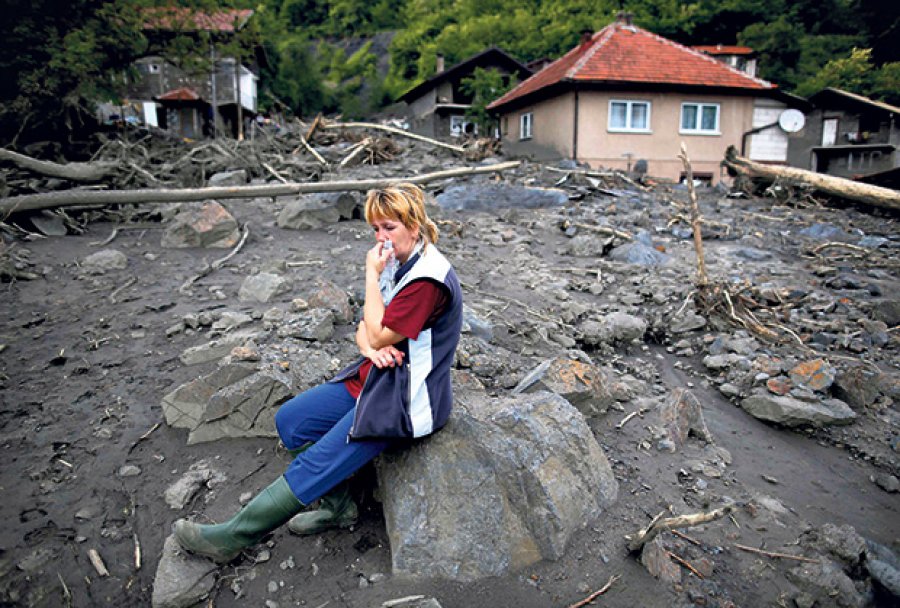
803,44
357,56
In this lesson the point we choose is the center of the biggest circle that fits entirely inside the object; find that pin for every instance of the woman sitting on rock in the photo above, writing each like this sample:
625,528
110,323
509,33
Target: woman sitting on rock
399,389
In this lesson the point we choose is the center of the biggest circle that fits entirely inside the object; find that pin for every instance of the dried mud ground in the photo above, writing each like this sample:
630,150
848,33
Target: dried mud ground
82,379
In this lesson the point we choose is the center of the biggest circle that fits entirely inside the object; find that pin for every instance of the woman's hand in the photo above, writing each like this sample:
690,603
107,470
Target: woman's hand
377,258
386,357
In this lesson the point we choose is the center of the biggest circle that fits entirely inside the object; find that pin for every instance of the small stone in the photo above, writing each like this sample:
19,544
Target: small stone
363,582
780,385
816,374
174,329
377,577
287,564
887,482
264,555
770,479
244,353
129,470
272,586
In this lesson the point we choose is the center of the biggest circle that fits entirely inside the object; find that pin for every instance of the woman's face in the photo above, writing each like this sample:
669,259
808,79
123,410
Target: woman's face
403,238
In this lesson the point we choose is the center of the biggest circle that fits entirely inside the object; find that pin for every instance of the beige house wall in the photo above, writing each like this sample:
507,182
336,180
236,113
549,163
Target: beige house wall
552,129
660,146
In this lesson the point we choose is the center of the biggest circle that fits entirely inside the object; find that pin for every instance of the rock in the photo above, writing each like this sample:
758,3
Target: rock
615,327
886,575
504,485
817,374
228,178
263,287
229,320
312,211
887,311
721,362
331,297
209,225
656,560
779,385
639,251
686,321
585,386
235,400
488,197
129,470
476,326
842,542
103,261
887,482
682,415
588,245
216,349
182,579
857,386
315,324
827,584
179,493
49,223
824,232
794,412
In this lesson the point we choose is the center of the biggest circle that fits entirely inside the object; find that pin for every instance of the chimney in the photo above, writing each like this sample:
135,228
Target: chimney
624,18
439,64
586,36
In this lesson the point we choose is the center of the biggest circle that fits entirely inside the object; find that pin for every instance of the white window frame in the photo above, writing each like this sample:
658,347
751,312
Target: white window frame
629,106
153,68
526,125
697,130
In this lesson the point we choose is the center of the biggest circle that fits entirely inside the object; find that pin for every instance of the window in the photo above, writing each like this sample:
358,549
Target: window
460,125
629,116
153,68
700,118
526,122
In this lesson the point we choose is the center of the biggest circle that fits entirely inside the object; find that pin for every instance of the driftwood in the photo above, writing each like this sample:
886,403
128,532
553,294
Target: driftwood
876,196
395,131
76,172
696,219
658,524
81,198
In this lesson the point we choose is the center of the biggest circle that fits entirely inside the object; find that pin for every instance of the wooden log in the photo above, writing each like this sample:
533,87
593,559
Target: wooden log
395,131
658,524
76,172
876,196
81,198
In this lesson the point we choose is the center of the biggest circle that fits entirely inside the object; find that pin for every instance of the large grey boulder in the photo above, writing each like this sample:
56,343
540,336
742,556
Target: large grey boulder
182,579
312,211
209,225
235,400
505,484
794,412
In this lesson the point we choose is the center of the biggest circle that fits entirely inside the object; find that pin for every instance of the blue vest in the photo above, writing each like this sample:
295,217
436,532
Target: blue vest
413,399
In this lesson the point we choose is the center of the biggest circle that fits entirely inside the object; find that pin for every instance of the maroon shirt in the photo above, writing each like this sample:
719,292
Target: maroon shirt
416,307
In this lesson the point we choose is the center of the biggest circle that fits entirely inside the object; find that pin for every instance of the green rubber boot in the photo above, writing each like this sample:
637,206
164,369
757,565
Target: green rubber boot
336,510
223,542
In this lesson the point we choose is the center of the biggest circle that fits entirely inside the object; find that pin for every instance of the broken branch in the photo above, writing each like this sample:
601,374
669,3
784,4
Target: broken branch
76,172
798,558
597,593
642,537
394,130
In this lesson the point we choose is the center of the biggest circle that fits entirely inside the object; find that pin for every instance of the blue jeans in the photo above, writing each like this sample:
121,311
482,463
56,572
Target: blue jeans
323,414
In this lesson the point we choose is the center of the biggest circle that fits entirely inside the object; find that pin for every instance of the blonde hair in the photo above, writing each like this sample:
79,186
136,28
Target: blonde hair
404,203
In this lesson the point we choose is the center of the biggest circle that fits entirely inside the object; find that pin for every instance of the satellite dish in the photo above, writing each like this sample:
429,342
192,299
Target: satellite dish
791,120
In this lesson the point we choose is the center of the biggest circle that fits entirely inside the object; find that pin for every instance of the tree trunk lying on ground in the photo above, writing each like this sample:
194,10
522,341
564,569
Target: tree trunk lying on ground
394,130
81,198
876,196
76,172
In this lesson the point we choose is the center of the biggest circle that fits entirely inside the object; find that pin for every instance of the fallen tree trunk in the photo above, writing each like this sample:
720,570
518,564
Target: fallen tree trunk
81,198
876,196
76,172
394,130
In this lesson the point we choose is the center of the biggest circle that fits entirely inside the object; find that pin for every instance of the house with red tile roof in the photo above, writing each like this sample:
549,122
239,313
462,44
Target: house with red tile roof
184,102
625,94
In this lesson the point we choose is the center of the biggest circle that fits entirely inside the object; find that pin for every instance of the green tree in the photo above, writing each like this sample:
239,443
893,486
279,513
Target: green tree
857,73
484,86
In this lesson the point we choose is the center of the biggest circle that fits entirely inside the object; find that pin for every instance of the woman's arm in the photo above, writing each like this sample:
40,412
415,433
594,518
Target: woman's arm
387,356
377,335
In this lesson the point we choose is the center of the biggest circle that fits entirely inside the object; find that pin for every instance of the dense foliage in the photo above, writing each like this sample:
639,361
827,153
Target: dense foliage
333,55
